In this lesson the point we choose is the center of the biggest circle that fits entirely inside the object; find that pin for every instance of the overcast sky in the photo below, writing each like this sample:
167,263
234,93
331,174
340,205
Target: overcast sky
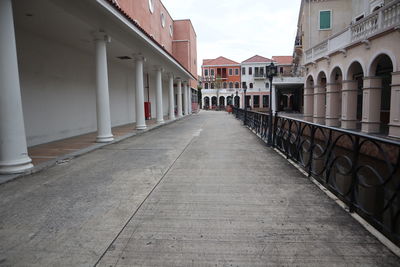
239,29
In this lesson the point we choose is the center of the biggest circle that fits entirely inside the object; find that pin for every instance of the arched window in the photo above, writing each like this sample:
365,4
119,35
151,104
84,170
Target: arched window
231,85
236,85
225,85
206,86
251,85
212,86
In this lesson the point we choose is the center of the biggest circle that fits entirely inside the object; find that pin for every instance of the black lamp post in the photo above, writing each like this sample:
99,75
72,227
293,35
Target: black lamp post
245,104
271,71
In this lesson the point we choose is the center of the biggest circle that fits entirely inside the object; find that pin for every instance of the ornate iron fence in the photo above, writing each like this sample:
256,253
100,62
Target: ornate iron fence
362,170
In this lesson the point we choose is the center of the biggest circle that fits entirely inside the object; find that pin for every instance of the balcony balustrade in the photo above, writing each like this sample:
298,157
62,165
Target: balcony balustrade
384,19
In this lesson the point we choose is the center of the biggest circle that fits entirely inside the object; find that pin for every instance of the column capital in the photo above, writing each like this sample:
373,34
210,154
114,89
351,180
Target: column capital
170,75
101,35
372,78
158,68
139,57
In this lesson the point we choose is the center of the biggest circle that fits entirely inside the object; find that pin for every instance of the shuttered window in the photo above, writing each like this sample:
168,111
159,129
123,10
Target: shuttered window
325,18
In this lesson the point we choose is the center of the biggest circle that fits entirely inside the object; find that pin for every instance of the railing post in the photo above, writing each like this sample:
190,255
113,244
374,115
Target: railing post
309,171
354,183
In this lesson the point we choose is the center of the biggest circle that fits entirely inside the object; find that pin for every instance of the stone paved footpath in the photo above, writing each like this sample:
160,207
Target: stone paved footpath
203,191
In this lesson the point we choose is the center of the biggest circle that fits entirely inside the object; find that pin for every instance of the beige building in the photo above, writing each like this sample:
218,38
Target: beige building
349,53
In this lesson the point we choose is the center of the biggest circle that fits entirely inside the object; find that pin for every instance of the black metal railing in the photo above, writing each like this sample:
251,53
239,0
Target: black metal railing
362,170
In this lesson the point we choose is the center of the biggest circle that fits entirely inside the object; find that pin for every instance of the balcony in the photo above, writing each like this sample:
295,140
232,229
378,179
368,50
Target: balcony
380,21
259,76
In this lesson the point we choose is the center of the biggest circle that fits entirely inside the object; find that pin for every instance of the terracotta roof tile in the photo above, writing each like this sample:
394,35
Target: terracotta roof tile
283,59
258,59
219,61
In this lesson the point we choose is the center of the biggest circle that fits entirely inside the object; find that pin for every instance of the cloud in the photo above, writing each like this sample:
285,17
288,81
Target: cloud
239,29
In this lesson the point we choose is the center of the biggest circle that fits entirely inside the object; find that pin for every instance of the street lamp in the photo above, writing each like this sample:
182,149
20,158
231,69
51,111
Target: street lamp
271,71
245,105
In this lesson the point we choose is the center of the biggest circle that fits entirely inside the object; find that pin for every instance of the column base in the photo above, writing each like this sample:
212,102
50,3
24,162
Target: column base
370,127
172,118
18,166
141,127
104,139
333,122
319,120
308,118
160,121
394,131
349,124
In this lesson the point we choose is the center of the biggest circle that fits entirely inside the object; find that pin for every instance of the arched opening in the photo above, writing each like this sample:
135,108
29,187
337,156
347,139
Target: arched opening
229,101
352,95
382,67
237,101
231,85
225,85
334,98
320,99
236,85
222,102
206,86
214,102
206,102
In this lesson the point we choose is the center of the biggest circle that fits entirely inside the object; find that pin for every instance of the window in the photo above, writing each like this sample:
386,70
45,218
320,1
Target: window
236,72
265,101
225,85
236,85
151,6
266,85
243,71
206,72
231,85
212,72
162,20
251,85
230,72
212,86
281,70
171,30
325,19
206,86
256,101
244,84
250,71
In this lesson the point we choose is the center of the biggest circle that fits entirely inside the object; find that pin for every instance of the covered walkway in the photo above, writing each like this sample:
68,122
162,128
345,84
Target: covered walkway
202,191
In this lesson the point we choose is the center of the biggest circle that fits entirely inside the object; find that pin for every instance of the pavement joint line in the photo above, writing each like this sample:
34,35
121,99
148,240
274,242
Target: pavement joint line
383,239
141,204
80,152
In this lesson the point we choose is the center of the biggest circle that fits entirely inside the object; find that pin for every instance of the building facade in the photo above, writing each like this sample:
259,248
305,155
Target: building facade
286,87
221,82
72,67
349,54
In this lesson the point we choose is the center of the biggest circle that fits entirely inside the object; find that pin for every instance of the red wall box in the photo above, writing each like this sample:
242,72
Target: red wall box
147,110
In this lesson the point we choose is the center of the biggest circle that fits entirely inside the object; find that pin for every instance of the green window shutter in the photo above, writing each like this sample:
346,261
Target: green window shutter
324,20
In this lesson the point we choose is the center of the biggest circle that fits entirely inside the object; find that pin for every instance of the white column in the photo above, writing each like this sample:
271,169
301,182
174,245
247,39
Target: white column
159,104
104,134
190,99
171,97
140,119
185,98
13,149
179,97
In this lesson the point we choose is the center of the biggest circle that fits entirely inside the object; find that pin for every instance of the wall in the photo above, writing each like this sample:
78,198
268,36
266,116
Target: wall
58,89
150,22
